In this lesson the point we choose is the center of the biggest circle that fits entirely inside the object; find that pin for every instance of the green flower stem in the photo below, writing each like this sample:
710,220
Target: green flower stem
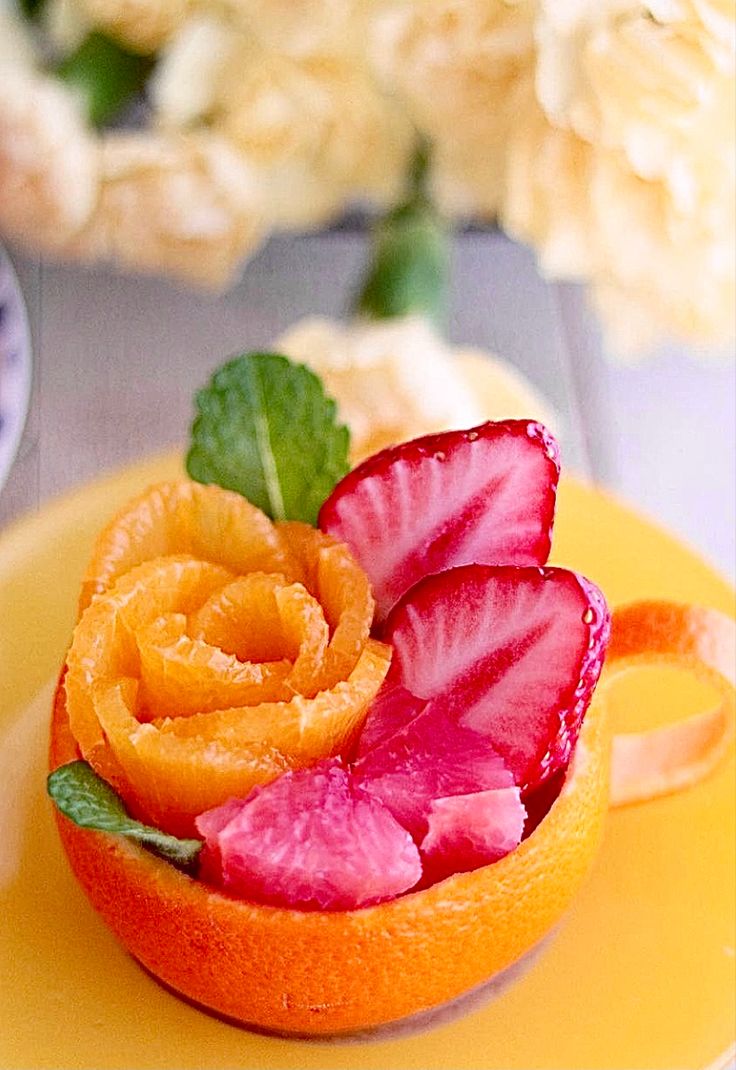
107,76
409,268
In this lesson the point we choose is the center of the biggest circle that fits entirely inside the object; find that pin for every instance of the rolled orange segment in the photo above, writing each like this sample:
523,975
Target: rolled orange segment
183,517
216,650
699,640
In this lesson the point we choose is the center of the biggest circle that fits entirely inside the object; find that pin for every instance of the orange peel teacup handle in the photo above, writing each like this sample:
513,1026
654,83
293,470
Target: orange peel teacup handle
647,764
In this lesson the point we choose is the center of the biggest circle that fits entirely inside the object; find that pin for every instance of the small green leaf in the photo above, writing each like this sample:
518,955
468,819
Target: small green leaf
87,800
107,76
267,430
409,272
409,269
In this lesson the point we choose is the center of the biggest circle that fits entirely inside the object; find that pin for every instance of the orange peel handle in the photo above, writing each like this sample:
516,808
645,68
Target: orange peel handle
647,764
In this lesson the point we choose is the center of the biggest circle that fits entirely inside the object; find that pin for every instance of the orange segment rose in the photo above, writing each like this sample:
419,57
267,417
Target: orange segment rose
215,650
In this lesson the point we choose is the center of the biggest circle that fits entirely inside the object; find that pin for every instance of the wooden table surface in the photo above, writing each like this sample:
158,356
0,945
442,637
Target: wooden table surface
117,360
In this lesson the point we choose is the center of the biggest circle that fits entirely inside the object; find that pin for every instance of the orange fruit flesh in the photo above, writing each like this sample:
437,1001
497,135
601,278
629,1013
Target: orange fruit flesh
239,650
322,973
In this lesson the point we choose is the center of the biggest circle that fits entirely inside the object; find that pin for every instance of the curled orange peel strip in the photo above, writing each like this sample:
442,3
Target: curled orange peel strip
702,641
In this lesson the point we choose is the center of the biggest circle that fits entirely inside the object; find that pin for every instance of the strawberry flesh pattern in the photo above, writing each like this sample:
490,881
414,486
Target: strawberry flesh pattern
483,496
514,653
496,657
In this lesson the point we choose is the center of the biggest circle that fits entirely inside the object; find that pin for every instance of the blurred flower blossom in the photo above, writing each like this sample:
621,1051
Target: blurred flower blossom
455,64
16,44
300,27
316,128
371,368
184,204
66,24
49,162
600,131
141,25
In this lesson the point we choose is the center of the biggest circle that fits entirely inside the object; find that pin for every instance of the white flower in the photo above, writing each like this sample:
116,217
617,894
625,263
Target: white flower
315,129
397,379
181,204
635,183
186,83
299,27
589,216
318,128
141,25
649,89
455,64
49,163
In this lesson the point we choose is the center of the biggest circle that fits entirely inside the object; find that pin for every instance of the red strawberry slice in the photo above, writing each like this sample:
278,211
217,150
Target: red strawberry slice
469,831
311,839
515,653
481,496
430,757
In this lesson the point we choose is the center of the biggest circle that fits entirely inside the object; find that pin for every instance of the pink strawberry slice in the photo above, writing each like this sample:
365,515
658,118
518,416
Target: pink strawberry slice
481,496
311,839
469,831
430,757
514,653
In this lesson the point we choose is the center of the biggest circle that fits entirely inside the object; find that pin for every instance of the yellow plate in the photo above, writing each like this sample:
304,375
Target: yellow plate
640,975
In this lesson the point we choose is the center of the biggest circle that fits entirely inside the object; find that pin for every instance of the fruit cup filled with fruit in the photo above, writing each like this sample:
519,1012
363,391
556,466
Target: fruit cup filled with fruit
323,752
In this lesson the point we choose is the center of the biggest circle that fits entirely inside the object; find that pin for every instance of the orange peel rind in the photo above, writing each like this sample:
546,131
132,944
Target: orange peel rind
702,641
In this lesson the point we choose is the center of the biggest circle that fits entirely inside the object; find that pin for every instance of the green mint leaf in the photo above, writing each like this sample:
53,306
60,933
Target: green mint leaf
266,429
106,75
87,800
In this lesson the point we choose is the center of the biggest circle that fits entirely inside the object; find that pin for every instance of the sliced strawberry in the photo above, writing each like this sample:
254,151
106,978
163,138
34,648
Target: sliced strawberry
481,496
430,757
514,652
469,831
392,709
311,839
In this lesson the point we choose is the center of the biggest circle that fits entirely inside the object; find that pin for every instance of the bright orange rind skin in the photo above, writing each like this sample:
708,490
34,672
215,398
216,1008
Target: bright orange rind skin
332,972
700,640
338,972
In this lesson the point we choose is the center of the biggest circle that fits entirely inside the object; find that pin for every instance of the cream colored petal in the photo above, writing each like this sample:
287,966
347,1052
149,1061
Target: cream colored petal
186,83
298,27
141,25
396,379
49,162
66,23
454,65
184,205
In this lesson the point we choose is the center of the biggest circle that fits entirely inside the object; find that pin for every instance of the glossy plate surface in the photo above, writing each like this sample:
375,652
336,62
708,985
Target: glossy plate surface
642,973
